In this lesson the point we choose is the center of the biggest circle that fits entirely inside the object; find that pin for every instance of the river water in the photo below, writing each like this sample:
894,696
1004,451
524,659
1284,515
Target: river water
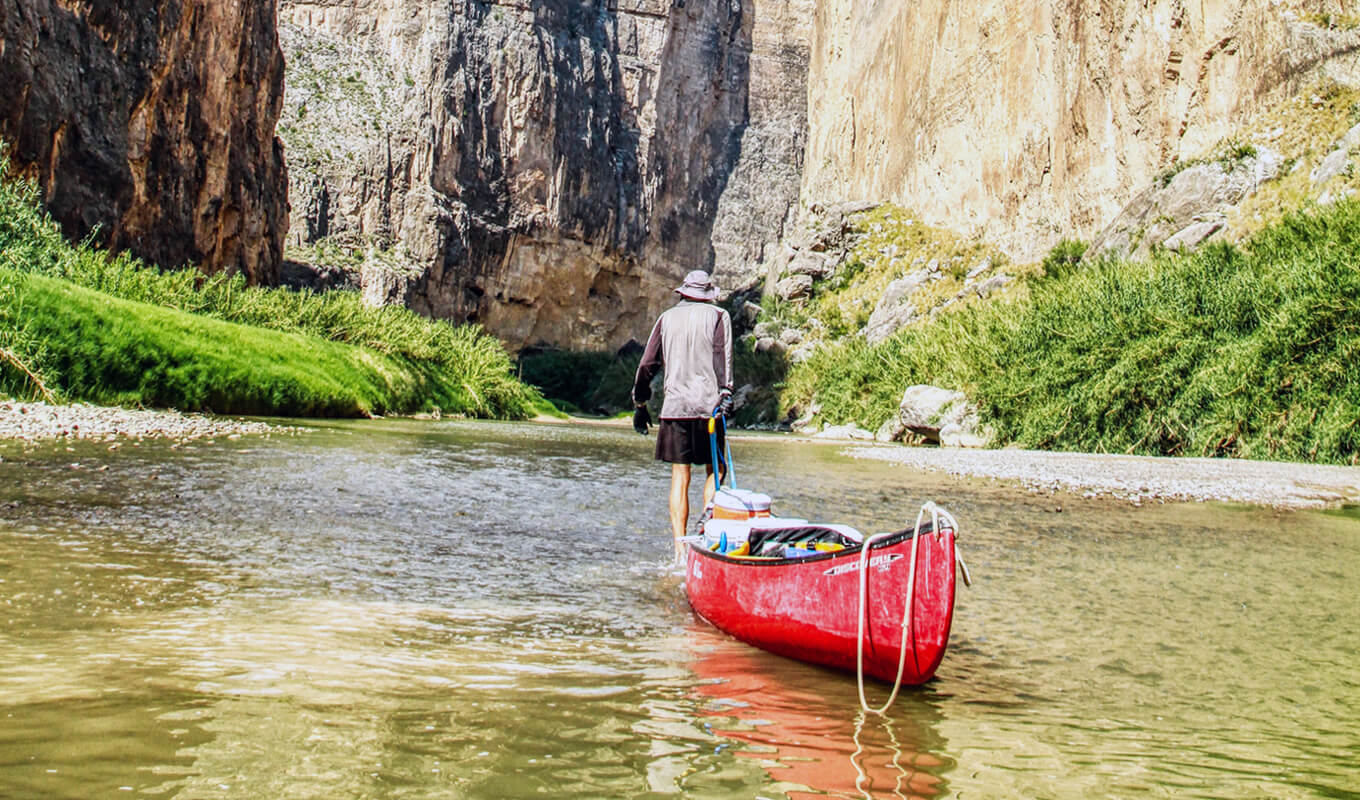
405,609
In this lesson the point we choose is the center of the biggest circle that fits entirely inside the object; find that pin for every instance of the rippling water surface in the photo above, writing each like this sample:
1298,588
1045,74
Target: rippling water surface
402,609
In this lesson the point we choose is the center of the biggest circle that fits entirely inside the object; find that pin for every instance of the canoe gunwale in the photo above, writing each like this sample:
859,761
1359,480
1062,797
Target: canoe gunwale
891,541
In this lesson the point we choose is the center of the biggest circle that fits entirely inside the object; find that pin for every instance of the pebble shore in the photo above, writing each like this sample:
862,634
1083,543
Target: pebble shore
1140,479
36,422
1136,479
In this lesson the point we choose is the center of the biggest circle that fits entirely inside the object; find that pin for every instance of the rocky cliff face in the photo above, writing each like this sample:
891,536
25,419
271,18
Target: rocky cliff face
153,121
1025,122
548,169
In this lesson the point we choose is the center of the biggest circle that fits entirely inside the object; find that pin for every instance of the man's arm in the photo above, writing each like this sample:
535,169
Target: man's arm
722,352
648,367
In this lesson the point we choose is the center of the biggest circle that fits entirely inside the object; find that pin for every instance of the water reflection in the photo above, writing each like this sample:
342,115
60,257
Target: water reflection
806,730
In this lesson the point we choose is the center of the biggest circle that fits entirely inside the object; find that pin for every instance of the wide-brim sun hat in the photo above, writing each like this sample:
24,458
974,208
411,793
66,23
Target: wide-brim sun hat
697,286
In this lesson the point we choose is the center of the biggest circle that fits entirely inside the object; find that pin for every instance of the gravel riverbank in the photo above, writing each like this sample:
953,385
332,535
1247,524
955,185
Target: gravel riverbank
34,422
1141,478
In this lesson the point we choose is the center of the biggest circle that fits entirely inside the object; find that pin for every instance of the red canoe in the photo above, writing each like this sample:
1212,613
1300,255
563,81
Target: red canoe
808,608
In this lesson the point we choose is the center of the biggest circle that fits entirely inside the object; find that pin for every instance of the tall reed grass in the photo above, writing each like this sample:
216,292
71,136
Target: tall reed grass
1243,351
463,357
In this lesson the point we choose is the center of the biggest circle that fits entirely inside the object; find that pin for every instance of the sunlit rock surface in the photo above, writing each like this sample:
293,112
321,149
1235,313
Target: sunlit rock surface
1026,122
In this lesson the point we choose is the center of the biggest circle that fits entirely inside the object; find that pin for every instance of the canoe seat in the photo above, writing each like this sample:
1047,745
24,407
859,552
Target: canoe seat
772,541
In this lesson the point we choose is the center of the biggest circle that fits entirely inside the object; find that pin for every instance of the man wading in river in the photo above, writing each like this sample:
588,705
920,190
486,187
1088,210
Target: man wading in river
693,343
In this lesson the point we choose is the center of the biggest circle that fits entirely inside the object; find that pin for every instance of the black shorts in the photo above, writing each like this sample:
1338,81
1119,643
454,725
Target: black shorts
685,441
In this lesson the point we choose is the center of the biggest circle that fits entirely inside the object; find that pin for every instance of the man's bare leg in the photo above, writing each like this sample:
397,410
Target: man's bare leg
679,505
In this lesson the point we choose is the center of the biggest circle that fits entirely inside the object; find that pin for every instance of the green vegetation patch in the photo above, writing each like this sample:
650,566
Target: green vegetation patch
395,360
889,243
1335,22
1232,351
105,350
589,382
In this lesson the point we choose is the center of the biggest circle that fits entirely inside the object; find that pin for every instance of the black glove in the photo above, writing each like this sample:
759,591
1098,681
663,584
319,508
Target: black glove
725,403
642,394
642,418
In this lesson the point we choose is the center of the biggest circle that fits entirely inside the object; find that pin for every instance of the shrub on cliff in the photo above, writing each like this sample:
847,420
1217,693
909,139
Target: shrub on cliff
459,369
1233,351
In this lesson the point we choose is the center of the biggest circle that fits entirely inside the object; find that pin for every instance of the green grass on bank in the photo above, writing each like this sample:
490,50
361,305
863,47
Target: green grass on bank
107,350
167,343
1245,351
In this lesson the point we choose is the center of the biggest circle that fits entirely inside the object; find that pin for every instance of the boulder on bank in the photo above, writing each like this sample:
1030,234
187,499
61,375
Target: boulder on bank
942,416
794,287
1185,210
1336,162
768,344
892,430
813,263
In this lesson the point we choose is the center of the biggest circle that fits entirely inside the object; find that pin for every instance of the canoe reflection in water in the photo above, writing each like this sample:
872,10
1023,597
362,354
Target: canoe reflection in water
804,725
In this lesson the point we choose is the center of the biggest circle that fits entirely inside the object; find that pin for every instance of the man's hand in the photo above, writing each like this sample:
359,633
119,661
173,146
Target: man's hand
642,418
725,403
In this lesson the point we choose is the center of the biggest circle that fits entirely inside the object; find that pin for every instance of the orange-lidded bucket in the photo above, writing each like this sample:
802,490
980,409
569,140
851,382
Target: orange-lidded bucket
740,504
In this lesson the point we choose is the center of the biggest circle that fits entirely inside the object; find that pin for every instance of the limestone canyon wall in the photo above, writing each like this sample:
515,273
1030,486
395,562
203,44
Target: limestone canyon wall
552,168
549,169
153,121
1028,120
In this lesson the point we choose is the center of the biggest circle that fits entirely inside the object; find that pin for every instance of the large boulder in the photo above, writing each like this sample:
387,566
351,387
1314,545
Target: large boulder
794,287
895,308
942,416
1188,208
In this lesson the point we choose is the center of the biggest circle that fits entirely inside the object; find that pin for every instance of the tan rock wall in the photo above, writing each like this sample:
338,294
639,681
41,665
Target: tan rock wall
1026,121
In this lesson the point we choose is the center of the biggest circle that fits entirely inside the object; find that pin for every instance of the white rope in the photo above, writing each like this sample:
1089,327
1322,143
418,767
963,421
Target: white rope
908,618
907,615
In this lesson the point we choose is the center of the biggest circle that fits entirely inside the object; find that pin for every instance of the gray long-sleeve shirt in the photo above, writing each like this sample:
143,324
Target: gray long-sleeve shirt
693,342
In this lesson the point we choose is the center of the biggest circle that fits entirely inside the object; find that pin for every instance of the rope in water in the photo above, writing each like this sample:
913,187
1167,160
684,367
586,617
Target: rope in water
908,618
